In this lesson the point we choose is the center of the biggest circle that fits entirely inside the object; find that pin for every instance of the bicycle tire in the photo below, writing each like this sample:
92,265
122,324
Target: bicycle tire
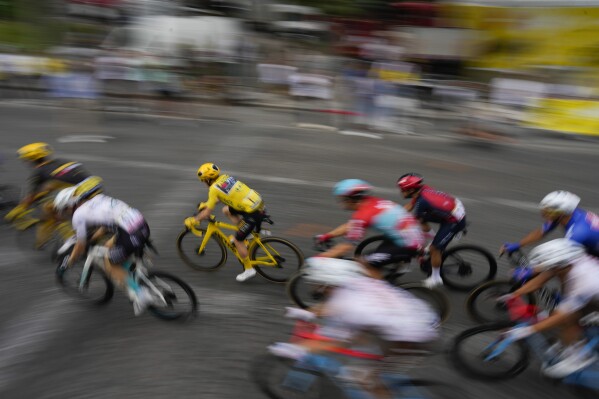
9,198
200,261
269,373
168,312
456,267
496,312
295,288
69,280
474,365
275,274
425,388
435,298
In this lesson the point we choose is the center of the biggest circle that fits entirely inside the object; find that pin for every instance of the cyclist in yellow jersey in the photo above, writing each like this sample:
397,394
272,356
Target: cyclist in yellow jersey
243,206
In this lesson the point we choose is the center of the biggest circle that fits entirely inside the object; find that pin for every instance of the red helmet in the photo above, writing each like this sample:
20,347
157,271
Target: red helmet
410,181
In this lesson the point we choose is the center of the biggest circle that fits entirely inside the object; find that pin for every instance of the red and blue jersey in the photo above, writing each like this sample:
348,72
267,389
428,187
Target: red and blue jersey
437,207
388,218
583,228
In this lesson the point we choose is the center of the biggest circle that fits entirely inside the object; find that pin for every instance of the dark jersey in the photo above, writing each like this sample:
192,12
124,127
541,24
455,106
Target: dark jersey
62,172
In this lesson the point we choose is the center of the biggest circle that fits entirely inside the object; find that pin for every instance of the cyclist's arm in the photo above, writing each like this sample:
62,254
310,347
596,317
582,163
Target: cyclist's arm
101,231
338,231
339,250
533,236
204,214
535,284
556,319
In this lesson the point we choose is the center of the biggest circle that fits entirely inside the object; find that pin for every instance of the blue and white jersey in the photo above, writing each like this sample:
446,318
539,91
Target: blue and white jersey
582,228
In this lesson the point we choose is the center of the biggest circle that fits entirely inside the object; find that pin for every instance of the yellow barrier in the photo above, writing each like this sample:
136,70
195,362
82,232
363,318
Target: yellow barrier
568,116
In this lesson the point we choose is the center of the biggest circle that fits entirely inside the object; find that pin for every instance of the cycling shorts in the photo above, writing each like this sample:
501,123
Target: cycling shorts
446,233
249,222
389,252
127,244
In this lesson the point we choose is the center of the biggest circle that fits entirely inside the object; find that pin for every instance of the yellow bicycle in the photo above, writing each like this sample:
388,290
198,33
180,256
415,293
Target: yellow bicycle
28,223
274,258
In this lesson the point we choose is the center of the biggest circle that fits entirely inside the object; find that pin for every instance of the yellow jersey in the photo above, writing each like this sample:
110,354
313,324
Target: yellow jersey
235,194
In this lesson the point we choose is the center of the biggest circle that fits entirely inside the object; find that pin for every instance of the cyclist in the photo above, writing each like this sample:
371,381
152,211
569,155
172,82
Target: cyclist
243,206
403,233
48,177
566,260
359,307
433,206
91,209
560,208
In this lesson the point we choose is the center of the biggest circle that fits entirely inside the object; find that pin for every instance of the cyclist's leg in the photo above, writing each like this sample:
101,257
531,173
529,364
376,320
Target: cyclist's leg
385,254
231,214
47,225
248,223
120,248
446,233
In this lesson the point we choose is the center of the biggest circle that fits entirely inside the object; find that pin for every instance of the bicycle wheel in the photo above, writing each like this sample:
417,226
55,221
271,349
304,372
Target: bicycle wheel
469,350
467,266
280,378
435,298
288,257
97,288
303,293
181,302
406,387
9,198
212,257
483,306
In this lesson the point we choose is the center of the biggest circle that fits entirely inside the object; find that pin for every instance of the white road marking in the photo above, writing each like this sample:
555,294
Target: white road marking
84,139
316,126
189,170
361,134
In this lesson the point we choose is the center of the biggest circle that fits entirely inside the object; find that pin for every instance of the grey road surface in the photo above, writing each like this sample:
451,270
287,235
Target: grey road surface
54,347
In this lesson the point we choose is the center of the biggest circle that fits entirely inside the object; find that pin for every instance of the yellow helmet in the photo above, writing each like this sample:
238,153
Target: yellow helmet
208,171
34,151
88,188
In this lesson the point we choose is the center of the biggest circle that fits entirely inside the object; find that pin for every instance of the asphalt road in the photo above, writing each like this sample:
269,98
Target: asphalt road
53,347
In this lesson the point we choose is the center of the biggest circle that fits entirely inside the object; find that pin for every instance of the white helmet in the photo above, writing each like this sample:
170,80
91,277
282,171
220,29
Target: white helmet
64,198
561,201
555,253
564,365
331,271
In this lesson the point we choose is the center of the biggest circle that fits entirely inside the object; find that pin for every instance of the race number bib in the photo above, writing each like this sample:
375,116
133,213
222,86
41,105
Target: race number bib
458,211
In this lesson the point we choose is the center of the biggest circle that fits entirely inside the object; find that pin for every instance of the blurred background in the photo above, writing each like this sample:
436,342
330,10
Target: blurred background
368,64
290,97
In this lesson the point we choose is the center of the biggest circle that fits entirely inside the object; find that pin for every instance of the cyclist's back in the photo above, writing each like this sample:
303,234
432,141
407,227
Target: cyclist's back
367,304
57,174
389,218
581,285
437,206
583,227
235,194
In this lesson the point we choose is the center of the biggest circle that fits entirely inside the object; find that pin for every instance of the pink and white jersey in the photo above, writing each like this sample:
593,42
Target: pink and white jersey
389,218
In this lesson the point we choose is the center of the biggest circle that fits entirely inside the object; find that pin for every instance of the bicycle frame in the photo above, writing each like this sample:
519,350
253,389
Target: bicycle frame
95,256
349,379
216,228
588,377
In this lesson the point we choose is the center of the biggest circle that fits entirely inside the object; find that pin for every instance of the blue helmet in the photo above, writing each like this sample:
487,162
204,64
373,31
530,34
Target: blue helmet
351,188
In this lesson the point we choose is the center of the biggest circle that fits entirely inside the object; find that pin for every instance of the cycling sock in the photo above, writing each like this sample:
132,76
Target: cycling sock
131,283
436,272
246,263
